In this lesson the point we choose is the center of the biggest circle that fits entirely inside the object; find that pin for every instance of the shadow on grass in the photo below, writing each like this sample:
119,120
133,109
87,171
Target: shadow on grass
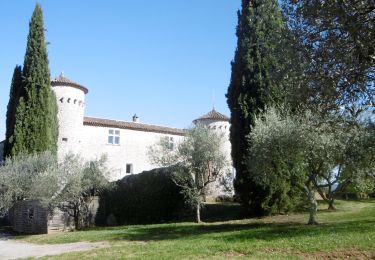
231,232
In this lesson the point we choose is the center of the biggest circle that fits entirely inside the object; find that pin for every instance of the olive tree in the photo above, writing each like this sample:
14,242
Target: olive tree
28,177
68,185
309,153
198,160
82,181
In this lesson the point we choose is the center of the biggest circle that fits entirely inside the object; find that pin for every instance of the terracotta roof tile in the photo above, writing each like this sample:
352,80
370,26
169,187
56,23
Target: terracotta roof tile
212,115
63,81
91,121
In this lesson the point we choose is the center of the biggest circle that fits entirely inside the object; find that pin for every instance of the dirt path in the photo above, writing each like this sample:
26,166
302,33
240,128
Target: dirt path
11,249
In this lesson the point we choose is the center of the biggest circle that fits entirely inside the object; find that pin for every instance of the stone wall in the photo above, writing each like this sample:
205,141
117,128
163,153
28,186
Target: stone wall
29,217
132,149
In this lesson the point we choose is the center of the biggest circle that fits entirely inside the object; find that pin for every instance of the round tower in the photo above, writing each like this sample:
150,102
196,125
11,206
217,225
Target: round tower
70,98
215,120
220,123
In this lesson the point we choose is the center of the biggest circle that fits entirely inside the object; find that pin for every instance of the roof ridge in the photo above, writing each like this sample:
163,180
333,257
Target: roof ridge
93,121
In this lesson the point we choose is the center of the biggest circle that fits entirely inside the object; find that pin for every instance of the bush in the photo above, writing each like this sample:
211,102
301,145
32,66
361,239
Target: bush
148,197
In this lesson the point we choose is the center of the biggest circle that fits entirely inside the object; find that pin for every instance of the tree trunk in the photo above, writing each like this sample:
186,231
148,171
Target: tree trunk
76,218
198,213
330,204
313,206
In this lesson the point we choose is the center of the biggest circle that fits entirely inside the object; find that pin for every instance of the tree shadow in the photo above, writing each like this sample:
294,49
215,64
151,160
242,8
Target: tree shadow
229,231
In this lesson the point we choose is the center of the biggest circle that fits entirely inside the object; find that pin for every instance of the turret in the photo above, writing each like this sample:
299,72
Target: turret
214,120
71,107
220,123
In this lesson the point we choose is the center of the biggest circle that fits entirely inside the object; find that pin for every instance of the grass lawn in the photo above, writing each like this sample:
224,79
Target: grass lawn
348,232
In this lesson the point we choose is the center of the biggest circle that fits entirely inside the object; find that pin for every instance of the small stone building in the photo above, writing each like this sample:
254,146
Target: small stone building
29,217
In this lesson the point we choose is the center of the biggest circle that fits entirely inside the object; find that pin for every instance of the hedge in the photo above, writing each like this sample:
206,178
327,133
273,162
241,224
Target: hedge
148,197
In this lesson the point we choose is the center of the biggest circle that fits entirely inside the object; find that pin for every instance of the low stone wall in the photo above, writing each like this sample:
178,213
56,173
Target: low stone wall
59,221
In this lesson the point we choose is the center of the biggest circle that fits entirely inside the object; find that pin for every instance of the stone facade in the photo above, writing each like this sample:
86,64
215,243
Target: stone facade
125,143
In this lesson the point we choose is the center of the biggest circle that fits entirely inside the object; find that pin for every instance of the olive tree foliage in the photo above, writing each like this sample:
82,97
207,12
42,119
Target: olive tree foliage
82,181
336,39
29,177
68,185
309,154
196,161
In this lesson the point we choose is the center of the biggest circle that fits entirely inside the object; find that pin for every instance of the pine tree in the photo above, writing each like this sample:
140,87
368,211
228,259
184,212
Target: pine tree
14,96
259,79
36,126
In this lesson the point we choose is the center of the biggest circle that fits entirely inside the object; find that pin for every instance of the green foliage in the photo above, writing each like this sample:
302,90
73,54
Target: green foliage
262,75
81,182
303,152
69,185
277,161
147,197
28,177
196,162
36,125
336,41
16,90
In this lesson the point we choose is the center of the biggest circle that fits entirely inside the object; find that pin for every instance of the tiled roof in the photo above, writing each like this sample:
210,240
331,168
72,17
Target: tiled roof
91,121
212,115
62,81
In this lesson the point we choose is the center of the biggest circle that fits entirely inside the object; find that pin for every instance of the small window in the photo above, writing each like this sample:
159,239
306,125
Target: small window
129,168
114,137
169,142
30,213
65,139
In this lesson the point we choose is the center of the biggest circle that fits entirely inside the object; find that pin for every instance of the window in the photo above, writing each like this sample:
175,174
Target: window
169,142
114,136
129,168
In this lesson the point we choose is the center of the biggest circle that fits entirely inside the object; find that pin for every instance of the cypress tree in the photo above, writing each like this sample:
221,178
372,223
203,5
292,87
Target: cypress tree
14,96
36,126
259,79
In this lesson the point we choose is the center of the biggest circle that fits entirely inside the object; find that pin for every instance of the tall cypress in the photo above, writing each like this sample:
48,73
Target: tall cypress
259,79
36,126
14,96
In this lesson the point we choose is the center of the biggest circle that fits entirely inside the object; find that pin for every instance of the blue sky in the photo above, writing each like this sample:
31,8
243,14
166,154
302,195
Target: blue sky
164,60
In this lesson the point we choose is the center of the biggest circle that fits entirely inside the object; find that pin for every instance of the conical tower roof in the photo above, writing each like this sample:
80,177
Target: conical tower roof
213,115
61,80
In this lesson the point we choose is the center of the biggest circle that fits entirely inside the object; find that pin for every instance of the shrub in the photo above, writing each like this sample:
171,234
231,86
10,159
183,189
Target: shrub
148,197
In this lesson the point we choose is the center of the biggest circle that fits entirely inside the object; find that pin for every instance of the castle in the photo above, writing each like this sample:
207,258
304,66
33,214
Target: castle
125,143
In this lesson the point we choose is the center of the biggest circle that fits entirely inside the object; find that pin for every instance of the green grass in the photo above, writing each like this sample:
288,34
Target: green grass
347,232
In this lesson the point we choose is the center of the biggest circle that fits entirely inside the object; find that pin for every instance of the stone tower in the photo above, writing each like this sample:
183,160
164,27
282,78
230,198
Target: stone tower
71,108
219,122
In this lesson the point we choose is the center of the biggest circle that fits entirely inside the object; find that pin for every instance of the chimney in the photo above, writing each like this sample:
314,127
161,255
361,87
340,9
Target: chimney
135,118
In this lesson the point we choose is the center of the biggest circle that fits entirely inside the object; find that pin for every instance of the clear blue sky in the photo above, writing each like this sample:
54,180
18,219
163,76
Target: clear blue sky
163,60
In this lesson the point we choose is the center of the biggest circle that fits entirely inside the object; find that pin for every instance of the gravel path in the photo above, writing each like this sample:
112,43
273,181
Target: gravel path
11,249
